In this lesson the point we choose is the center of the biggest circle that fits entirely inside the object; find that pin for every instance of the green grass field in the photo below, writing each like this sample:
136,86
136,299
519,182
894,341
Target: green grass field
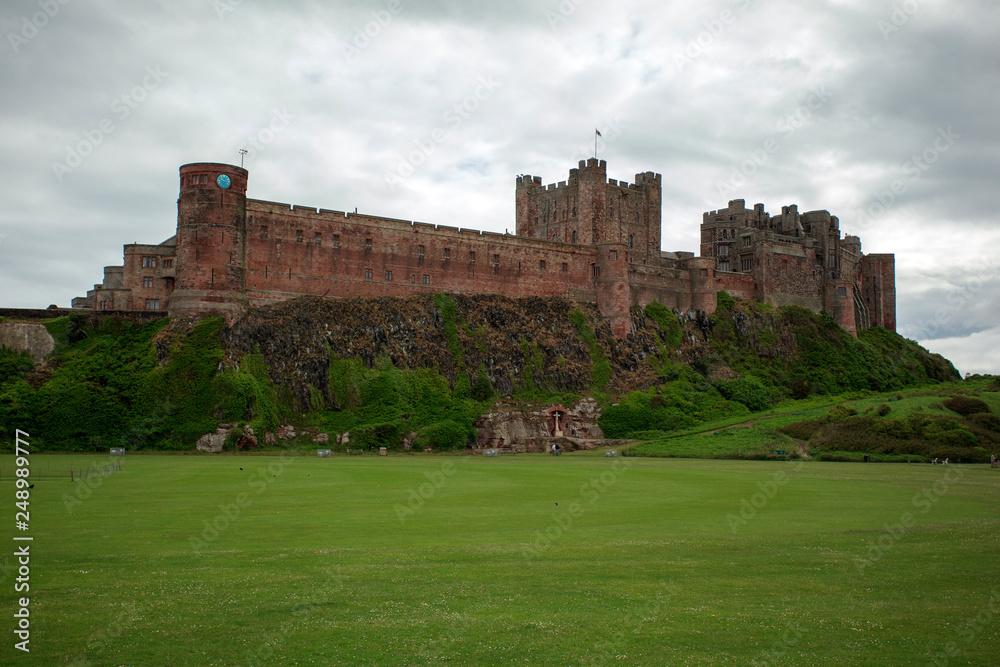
423,560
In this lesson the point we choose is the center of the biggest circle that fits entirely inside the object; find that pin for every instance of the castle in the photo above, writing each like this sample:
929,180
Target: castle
587,239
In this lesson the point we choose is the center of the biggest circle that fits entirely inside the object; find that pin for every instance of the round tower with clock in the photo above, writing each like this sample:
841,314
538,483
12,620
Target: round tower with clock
211,241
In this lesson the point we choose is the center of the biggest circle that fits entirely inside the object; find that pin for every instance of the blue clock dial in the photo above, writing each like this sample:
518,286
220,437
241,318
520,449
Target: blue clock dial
223,181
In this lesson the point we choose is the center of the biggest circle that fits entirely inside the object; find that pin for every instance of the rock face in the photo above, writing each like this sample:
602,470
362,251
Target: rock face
519,341
509,425
27,337
213,442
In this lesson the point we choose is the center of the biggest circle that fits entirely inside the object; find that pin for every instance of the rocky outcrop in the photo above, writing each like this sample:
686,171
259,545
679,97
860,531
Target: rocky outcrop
28,337
214,442
510,425
520,342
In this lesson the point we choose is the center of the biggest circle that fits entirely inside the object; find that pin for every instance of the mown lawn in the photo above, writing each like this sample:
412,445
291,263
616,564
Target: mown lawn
533,560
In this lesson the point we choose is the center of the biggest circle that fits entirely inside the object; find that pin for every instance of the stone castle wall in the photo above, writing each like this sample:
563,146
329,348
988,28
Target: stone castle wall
588,238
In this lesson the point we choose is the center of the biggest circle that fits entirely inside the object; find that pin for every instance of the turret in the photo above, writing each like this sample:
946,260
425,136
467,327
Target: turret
211,241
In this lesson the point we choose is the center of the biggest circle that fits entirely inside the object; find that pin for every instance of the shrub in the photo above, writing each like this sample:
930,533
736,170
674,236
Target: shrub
987,422
667,322
746,390
839,413
724,300
802,430
482,388
884,409
966,405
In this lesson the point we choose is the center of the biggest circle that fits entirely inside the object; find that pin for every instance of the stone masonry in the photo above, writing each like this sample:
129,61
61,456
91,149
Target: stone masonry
588,239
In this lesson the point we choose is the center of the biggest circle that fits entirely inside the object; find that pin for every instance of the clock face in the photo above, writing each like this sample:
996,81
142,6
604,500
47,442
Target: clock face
223,181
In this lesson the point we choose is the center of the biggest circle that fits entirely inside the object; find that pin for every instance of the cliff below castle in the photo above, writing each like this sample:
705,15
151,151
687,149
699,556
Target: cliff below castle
422,370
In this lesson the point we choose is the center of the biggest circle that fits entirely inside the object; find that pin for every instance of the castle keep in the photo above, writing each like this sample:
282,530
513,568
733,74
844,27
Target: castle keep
587,239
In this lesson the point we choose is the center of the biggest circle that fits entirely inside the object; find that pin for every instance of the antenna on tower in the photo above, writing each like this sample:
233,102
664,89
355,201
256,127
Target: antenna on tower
243,152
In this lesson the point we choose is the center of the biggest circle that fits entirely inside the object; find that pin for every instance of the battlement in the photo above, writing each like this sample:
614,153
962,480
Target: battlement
587,237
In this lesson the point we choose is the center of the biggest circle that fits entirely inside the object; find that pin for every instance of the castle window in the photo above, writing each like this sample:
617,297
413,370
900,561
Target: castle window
149,262
147,281
637,217
725,233
841,291
168,263
746,264
336,240
541,265
413,278
565,267
368,274
472,257
263,231
318,238
704,273
612,254
574,237
723,250
168,284
447,254
368,245
388,275
595,271
724,266
574,211
152,304
427,279
629,240
747,241
103,305
298,236
555,236
496,263
420,251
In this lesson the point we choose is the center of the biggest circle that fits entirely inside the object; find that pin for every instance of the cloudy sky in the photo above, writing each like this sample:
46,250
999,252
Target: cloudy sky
884,113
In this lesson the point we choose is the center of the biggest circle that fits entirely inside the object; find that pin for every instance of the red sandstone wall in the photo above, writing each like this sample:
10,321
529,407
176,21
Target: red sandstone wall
135,274
289,259
879,287
788,275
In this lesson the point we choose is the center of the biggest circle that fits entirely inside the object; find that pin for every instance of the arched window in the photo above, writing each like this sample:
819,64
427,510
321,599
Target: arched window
574,237
629,240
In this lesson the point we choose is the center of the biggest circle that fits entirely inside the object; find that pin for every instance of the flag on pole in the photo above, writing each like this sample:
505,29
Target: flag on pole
598,133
